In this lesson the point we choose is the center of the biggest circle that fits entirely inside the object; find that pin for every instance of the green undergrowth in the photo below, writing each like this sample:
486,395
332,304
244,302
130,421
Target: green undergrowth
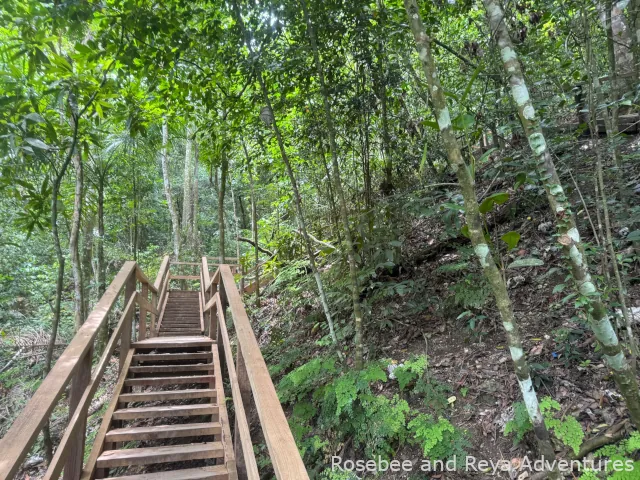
334,407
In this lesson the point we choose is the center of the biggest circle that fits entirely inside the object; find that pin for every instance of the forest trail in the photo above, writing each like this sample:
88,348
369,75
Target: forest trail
167,417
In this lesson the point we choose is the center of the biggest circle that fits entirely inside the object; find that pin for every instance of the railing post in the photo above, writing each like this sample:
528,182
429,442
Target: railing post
125,340
73,465
154,302
245,394
142,324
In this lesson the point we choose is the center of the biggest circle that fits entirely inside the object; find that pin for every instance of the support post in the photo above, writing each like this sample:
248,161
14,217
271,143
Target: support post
125,340
245,394
154,302
73,465
142,323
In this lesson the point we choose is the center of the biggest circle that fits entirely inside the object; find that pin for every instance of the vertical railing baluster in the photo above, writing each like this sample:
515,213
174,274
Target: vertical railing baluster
142,323
73,465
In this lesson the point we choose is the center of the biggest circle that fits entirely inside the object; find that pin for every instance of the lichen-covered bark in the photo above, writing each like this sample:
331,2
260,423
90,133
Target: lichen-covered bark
568,236
474,222
187,193
173,211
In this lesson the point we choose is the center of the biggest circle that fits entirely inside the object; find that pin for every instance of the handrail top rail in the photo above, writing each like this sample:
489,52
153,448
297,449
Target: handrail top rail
283,451
23,432
143,279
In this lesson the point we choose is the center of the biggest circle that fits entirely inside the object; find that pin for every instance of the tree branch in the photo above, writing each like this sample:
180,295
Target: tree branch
248,240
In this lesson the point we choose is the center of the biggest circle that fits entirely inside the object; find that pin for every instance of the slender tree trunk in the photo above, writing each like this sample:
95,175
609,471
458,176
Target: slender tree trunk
173,211
87,260
187,193
332,200
337,183
103,336
633,13
237,225
568,235
194,226
254,224
474,222
612,113
74,240
224,168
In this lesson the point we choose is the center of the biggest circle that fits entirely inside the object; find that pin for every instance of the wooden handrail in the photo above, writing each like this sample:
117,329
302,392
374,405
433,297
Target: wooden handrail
164,268
23,433
283,452
57,463
142,278
241,417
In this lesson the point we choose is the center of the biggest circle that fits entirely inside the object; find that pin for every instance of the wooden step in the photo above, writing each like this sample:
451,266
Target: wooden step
168,395
165,411
169,357
169,342
150,455
163,431
175,334
172,368
217,472
132,382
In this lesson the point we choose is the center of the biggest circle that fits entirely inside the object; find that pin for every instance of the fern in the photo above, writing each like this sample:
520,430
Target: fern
439,440
471,292
411,370
520,425
568,430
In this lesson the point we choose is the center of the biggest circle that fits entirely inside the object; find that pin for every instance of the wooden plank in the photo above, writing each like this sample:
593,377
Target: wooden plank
132,382
170,357
215,472
185,277
98,442
171,368
125,337
209,304
17,442
151,455
186,263
229,457
166,411
143,279
284,454
61,452
163,431
146,304
194,341
201,312
168,395
144,308
164,266
163,305
245,460
154,316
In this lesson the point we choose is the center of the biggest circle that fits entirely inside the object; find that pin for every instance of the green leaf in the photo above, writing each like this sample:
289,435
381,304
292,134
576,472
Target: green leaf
526,262
511,239
37,143
34,117
496,199
559,288
465,231
634,236
467,90
463,121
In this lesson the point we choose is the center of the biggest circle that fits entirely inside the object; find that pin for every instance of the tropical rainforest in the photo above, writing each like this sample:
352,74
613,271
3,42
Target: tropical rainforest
437,202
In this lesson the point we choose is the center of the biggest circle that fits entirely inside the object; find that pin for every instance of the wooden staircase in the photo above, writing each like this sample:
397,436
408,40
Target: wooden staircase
166,416
181,315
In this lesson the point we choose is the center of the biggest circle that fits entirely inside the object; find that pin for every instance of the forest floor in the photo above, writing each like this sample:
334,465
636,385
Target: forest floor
471,368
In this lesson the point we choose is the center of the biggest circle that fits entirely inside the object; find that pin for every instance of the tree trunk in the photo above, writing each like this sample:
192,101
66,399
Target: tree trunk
74,240
222,188
187,193
173,211
254,225
237,225
87,260
194,226
103,335
476,233
337,183
568,235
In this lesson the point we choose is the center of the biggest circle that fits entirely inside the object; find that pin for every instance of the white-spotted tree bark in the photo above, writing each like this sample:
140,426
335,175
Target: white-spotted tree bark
568,236
173,211
476,232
